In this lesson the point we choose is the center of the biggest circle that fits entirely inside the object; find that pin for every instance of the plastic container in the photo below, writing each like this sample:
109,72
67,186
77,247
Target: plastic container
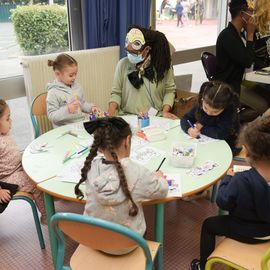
182,155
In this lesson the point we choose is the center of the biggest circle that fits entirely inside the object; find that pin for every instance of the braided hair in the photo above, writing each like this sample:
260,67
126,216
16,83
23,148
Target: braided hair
160,50
109,133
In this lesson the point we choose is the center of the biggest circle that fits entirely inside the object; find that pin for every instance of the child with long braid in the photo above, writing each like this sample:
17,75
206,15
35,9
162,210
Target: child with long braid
115,185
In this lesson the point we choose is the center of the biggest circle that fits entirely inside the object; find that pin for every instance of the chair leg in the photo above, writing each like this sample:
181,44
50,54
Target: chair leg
214,193
36,218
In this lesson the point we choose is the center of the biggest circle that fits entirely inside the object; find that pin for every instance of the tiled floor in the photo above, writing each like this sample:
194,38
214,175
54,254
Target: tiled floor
19,247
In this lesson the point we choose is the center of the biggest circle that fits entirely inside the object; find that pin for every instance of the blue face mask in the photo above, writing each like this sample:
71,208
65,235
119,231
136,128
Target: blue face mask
134,58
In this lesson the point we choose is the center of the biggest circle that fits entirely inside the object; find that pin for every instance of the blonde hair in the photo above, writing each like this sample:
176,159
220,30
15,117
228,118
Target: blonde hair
262,15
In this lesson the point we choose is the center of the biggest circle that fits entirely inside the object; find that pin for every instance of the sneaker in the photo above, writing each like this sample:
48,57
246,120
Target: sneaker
195,265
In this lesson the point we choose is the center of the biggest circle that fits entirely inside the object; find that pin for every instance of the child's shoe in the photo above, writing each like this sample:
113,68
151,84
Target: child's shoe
195,265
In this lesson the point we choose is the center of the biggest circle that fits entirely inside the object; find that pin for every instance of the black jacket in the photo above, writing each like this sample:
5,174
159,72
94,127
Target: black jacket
247,198
224,126
232,57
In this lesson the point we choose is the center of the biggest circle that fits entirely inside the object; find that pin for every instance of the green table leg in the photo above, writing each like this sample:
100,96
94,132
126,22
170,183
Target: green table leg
50,211
159,233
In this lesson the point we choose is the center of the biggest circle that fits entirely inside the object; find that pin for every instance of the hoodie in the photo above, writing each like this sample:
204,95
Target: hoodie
105,198
59,95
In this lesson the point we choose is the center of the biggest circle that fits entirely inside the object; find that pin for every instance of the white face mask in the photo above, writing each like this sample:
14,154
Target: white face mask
134,58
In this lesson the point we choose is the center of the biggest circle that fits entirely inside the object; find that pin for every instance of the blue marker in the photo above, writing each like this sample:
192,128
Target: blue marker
81,151
192,126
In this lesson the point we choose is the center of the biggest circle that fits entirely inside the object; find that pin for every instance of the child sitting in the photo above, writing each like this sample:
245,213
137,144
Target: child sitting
215,115
246,195
65,101
11,170
115,185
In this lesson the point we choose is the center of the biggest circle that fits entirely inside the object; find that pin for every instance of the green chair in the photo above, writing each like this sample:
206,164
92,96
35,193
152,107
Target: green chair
38,114
240,256
95,234
28,198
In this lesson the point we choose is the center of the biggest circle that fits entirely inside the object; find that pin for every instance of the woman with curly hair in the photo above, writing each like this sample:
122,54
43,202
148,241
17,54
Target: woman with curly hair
144,79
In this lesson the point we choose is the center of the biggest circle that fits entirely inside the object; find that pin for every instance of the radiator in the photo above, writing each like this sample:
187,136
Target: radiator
95,73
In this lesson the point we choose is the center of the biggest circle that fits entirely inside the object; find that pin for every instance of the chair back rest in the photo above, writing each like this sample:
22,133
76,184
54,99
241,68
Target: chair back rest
97,233
209,62
38,114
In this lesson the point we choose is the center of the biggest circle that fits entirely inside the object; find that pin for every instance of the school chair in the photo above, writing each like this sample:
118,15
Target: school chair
20,195
38,114
240,256
95,234
209,63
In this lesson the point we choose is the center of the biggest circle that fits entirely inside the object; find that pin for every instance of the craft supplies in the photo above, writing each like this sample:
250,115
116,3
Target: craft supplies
154,134
78,153
97,114
160,164
143,120
183,154
193,126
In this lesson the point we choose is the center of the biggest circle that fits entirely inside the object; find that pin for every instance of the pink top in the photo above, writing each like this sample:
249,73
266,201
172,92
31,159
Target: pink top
10,157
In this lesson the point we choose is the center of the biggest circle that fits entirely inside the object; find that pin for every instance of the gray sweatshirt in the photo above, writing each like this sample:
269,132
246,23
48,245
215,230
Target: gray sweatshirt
59,95
105,198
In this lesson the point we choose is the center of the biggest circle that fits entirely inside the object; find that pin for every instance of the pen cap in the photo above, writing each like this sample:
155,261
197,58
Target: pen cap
182,155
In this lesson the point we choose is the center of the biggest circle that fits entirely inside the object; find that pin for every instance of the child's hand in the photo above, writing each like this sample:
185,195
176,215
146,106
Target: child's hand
4,195
159,174
230,172
74,106
199,126
94,109
194,132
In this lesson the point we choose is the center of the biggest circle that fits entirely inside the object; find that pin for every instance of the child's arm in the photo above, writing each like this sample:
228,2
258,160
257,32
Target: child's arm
4,195
224,125
150,185
227,193
58,113
189,119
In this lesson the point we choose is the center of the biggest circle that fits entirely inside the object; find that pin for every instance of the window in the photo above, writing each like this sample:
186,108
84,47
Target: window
196,26
30,41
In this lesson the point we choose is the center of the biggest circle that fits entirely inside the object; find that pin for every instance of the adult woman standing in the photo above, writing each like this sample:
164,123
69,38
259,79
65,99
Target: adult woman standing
144,80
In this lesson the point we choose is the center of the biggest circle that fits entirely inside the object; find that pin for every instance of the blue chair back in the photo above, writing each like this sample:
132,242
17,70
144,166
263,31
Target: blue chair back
95,233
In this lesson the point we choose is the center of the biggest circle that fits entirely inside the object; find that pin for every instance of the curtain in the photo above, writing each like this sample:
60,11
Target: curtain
107,21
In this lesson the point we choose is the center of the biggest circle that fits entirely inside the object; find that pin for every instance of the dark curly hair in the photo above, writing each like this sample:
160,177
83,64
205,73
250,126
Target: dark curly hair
160,50
255,136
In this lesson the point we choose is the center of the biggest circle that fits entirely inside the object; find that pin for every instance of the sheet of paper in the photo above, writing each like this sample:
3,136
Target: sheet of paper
175,185
202,169
137,143
203,139
71,171
143,155
240,168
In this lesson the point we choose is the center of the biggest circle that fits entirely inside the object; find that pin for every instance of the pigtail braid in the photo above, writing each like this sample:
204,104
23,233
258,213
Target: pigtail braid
133,211
87,165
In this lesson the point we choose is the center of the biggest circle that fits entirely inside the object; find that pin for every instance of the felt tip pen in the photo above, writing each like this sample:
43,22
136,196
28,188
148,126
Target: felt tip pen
160,164
193,126
190,124
83,150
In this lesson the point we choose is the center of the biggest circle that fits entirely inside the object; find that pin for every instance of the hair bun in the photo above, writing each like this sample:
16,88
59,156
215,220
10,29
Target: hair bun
51,63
